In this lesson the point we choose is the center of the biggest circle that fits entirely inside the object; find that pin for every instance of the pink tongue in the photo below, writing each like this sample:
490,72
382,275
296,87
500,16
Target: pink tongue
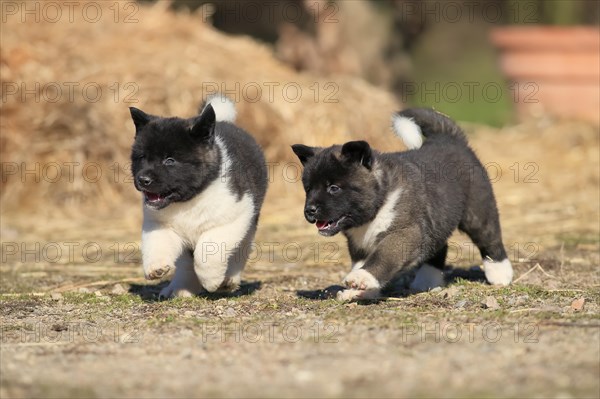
321,224
152,197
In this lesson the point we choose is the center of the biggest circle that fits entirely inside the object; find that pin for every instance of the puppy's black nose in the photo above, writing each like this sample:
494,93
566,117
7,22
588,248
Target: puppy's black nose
144,180
311,210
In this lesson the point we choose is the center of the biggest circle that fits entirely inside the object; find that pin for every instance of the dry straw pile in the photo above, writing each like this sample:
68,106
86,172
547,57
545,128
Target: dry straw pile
66,130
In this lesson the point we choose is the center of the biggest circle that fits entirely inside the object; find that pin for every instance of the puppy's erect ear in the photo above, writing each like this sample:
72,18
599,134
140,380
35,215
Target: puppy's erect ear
359,152
203,127
304,152
140,118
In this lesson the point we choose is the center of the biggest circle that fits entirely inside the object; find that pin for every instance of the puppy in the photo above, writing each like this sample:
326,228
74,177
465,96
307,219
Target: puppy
203,181
398,210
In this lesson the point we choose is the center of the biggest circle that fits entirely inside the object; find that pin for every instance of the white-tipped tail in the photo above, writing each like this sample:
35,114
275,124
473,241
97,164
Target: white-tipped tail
223,106
408,131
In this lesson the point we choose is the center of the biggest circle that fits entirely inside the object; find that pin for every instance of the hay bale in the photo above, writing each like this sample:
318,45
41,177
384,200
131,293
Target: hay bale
66,103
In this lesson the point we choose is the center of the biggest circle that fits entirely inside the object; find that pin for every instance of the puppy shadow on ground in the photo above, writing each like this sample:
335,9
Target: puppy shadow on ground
149,292
332,291
321,295
400,286
474,273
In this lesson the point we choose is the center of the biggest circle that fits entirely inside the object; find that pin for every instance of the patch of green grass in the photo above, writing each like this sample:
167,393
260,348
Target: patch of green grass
13,284
461,282
183,302
456,71
126,299
572,239
12,297
77,298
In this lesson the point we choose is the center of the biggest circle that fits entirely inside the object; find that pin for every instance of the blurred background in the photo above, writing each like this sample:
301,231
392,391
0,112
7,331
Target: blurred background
521,78
312,71
458,55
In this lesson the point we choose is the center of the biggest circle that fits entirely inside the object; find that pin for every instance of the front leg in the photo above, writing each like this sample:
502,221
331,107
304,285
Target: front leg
161,247
361,285
390,256
221,254
185,282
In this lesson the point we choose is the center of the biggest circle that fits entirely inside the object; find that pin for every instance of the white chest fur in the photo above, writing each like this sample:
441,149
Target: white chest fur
215,207
364,237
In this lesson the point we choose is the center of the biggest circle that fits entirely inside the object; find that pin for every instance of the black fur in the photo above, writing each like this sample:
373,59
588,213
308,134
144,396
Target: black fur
443,187
175,159
359,197
248,172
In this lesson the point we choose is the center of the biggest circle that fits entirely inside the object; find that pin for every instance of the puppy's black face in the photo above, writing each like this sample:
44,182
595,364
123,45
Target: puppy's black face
173,159
341,188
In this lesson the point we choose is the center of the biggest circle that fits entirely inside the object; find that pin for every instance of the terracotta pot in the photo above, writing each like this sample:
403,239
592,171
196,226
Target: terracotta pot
553,70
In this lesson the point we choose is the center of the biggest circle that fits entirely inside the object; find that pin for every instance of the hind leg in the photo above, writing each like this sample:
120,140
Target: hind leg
482,225
219,256
430,274
236,263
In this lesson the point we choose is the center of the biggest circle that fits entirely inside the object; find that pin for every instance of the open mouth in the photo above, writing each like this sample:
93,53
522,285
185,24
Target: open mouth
329,227
155,200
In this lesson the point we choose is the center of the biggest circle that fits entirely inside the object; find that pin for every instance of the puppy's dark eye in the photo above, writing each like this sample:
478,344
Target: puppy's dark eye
168,161
333,189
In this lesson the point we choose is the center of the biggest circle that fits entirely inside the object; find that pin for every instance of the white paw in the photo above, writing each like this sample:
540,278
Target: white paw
361,284
171,292
157,271
211,284
427,278
352,294
361,279
184,284
498,273
230,284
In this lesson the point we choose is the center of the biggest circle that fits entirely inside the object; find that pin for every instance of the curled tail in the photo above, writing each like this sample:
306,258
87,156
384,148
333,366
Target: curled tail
414,123
223,106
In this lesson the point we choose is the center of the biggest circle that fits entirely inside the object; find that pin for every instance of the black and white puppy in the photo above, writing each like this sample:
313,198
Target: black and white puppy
203,181
398,210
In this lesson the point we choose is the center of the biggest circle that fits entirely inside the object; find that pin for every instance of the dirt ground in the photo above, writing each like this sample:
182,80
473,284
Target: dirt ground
78,320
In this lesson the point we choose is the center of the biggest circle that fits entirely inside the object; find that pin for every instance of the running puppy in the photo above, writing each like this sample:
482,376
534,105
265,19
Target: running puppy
398,210
203,181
